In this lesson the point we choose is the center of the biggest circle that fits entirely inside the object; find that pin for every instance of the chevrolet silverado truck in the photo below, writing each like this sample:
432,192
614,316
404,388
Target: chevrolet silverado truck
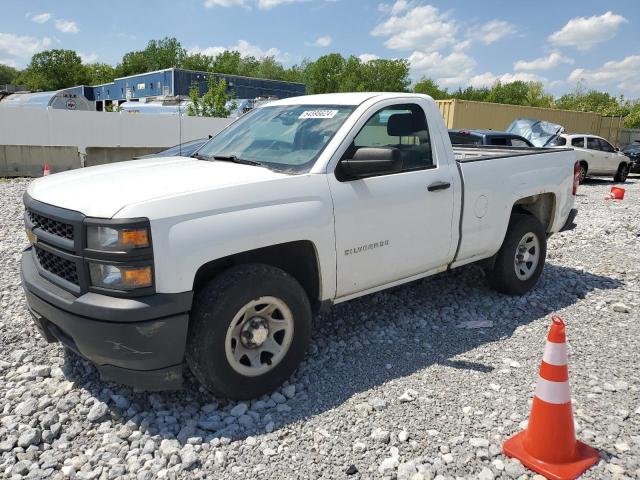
220,260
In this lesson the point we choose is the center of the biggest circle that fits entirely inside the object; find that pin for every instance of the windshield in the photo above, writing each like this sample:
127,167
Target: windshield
539,132
634,147
284,138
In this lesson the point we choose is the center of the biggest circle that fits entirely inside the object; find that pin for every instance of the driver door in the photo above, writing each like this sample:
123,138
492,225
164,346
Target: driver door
392,226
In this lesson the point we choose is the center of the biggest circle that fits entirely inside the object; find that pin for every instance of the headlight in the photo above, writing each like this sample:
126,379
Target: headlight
117,239
116,277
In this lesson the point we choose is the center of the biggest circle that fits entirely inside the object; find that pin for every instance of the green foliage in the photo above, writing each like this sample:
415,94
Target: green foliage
471,93
592,101
333,73
157,55
100,73
520,93
54,70
428,87
213,103
7,74
198,61
632,120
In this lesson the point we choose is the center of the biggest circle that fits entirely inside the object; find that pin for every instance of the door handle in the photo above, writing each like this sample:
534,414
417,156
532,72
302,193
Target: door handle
435,186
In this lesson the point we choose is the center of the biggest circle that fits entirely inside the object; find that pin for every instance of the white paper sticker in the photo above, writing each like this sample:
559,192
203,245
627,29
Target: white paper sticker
318,114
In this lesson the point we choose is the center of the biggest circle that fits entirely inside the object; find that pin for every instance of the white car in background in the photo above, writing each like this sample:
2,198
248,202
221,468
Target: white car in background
596,155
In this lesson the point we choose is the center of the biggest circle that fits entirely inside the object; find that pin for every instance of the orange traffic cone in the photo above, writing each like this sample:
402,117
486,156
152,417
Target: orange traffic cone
47,170
548,445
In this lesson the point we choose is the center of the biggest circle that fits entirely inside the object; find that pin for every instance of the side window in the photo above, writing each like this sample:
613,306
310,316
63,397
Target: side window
593,144
497,141
403,127
577,142
516,142
606,146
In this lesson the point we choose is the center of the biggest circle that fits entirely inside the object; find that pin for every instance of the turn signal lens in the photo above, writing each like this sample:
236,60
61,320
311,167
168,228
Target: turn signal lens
115,277
134,238
139,277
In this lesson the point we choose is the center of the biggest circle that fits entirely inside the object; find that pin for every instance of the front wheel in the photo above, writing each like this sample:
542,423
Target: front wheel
622,173
248,331
519,262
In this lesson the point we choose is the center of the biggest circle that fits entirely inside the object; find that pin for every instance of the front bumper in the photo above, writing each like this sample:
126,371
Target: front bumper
634,166
139,342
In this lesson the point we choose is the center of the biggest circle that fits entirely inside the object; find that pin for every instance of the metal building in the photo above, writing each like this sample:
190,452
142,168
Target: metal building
172,82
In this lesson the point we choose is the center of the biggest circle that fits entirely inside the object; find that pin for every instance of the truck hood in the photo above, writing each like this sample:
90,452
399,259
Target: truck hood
103,190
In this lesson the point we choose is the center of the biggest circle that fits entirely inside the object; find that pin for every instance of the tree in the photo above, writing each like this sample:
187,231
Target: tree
198,61
227,62
157,55
382,75
324,75
471,93
214,101
592,101
7,74
632,120
54,70
428,87
100,73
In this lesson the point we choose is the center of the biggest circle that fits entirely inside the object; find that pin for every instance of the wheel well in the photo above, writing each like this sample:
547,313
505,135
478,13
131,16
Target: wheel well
586,165
298,259
541,206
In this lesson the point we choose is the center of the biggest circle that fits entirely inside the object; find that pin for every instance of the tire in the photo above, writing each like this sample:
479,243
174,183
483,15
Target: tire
213,344
508,276
622,173
583,172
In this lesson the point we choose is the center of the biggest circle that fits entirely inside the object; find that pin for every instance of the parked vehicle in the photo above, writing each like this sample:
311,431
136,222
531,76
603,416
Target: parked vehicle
596,155
633,152
185,149
302,203
487,137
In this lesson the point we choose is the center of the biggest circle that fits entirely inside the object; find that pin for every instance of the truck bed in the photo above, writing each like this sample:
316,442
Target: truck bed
474,153
490,187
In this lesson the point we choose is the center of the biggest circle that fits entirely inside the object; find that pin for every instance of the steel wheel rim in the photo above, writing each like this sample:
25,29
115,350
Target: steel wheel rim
583,173
527,256
247,327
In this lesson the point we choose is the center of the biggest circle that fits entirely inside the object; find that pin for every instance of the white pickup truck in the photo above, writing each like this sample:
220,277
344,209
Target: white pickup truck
221,259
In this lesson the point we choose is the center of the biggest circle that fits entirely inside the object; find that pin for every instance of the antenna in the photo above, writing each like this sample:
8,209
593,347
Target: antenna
180,128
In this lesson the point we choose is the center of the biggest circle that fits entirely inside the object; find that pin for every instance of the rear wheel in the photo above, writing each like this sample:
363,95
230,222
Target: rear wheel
249,330
622,173
583,172
519,262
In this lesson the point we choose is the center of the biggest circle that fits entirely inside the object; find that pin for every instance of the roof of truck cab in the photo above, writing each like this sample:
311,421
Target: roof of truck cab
341,98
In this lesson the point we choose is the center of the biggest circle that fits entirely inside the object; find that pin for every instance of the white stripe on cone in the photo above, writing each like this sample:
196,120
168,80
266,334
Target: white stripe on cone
555,353
553,392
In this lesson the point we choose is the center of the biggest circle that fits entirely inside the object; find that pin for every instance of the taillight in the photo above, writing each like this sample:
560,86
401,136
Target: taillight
576,177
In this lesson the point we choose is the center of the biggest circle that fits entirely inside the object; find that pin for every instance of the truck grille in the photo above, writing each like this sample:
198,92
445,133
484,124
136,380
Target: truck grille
49,225
58,266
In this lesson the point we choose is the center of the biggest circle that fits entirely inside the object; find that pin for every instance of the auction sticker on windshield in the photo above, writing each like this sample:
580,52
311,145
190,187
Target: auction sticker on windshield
318,114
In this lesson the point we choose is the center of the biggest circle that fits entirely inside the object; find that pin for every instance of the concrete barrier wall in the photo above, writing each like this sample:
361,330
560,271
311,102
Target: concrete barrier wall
29,160
102,155
32,126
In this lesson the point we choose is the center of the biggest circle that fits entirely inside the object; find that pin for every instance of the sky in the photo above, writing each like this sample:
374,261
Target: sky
455,42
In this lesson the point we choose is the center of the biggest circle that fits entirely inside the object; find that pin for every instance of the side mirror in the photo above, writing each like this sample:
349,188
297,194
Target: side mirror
370,161
617,149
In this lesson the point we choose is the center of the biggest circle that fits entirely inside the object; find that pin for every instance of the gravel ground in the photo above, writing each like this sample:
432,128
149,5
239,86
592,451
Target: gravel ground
418,382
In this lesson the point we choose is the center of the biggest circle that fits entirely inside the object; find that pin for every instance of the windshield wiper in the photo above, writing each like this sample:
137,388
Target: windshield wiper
235,159
199,156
